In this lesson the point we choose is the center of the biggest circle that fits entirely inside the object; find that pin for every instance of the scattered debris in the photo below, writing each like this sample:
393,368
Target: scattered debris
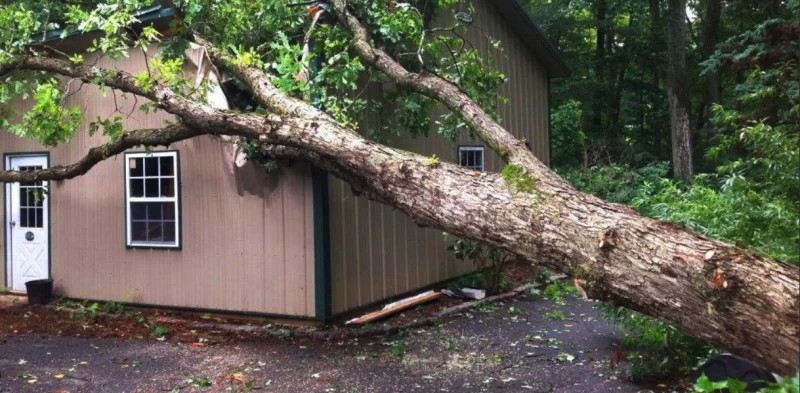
466,293
395,307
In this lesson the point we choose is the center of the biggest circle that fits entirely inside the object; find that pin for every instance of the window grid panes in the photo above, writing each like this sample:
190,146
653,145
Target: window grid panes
31,201
471,157
152,199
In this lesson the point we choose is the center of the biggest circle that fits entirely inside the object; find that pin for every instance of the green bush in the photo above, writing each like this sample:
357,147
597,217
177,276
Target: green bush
736,212
656,350
491,263
615,183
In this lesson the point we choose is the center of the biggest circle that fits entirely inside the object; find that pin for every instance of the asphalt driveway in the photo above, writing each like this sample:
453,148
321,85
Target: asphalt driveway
522,345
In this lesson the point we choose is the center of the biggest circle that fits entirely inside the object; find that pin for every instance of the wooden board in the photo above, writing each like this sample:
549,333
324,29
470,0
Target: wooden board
393,308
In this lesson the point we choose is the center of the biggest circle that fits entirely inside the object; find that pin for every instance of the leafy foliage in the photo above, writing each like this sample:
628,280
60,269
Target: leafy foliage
48,121
490,262
271,36
737,213
615,183
705,385
656,350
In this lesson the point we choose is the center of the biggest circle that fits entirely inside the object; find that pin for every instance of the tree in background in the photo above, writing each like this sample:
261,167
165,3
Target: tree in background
680,104
742,65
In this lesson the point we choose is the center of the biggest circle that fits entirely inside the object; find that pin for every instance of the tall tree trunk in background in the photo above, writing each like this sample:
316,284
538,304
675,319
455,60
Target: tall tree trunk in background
678,91
655,41
711,28
600,59
623,57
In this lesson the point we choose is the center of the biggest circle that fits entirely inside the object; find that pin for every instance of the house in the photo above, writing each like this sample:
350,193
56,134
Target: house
187,227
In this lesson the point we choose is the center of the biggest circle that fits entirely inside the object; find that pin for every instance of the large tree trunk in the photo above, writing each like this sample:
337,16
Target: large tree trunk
678,91
729,297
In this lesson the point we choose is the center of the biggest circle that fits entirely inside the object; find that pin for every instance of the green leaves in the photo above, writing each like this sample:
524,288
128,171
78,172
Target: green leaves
112,128
48,121
287,65
705,385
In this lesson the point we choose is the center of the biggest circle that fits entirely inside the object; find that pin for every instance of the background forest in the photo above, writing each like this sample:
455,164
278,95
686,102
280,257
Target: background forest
716,79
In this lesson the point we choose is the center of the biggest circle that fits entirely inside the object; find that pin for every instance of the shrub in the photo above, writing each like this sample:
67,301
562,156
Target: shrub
737,213
656,350
615,183
491,262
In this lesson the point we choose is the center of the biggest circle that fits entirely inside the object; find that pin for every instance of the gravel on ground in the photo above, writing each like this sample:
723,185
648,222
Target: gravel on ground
527,344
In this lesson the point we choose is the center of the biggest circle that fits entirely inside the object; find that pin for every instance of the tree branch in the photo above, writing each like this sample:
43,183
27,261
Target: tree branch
260,85
145,137
510,148
191,112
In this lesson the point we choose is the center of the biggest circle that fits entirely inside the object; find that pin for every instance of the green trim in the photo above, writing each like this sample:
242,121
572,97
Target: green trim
323,294
322,245
520,20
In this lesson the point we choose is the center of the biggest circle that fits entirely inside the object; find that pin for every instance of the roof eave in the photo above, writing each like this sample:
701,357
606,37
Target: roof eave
521,21
146,15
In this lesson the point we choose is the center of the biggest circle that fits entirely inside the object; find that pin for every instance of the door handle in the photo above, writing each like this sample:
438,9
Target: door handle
12,223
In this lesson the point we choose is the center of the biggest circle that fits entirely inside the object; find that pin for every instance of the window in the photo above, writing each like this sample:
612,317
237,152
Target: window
31,201
471,157
152,188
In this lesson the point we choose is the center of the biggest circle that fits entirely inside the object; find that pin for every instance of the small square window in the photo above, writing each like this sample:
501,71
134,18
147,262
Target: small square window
472,157
153,218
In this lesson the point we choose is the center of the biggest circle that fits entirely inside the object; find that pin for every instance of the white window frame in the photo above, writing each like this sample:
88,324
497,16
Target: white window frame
130,199
478,148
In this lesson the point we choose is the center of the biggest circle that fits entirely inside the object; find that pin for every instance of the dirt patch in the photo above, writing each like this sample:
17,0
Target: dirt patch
84,319
87,319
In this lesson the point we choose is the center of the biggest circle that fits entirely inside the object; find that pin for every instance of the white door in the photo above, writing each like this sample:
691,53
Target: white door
28,251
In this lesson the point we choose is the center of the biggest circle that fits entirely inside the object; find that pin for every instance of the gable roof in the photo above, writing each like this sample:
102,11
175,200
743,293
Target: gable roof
522,23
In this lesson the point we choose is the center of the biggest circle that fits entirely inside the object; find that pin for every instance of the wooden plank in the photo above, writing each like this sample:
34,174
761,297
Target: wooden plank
393,308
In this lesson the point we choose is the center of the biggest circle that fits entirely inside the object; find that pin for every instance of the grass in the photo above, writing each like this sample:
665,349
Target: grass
486,307
556,315
159,331
450,344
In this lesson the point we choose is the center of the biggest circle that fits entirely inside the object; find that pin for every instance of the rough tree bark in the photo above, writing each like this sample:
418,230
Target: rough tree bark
736,299
678,91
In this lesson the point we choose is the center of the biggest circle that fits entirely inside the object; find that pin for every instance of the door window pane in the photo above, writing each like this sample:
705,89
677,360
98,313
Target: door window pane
31,201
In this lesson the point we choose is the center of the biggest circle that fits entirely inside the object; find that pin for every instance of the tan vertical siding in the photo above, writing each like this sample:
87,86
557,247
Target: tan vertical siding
377,252
247,236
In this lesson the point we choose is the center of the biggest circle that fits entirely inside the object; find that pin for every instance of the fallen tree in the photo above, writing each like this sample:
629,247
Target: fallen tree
730,297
